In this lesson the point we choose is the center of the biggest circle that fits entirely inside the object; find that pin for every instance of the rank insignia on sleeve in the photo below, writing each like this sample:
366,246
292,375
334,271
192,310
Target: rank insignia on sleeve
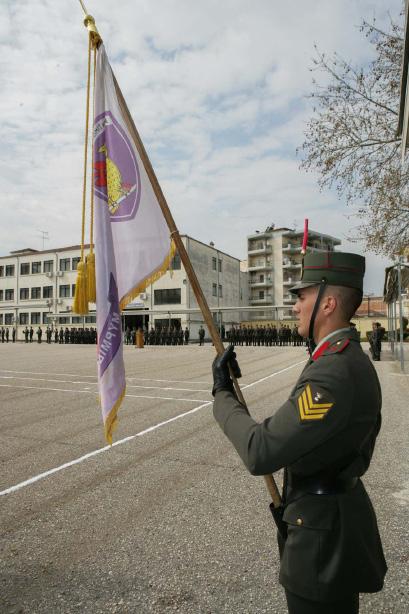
310,407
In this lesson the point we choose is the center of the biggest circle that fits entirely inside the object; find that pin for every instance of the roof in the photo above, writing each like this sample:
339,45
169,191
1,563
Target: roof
28,251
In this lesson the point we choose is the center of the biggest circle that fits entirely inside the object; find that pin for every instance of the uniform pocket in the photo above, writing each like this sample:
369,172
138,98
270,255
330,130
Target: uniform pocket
310,522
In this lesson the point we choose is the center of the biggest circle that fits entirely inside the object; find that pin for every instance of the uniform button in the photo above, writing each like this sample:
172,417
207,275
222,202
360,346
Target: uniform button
299,521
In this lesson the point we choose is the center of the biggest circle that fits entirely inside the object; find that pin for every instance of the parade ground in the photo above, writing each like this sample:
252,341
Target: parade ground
167,519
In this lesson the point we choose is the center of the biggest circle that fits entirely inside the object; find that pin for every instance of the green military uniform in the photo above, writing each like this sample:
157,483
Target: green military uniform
324,436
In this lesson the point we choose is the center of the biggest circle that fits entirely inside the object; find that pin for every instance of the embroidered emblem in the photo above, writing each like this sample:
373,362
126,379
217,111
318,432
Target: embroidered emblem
117,180
308,407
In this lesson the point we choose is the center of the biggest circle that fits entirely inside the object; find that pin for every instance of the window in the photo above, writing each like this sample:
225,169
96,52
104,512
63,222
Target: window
48,266
220,266
261,294
8,318
36,267
35,292
2,271
64,320
45,318
24,318
214,264
171,296
73,290
25,268
64,291
1,295
48,292
9,270
76,320
75,262
24,294
35,317
65,264
176,263
220,291
9,295
214,291
90,319
1,318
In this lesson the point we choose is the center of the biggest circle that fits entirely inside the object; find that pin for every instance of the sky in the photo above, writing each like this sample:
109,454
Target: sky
218,91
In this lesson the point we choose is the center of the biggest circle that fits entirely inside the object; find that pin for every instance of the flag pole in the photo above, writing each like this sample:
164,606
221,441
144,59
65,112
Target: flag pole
174,233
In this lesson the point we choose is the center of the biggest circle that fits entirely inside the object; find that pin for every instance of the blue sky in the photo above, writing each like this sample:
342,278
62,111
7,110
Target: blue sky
217,91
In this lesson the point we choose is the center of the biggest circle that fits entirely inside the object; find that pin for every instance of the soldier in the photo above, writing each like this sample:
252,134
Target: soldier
26,334
201,335
324,436
7,334
13,334
31,334
187,335
39,334
55,335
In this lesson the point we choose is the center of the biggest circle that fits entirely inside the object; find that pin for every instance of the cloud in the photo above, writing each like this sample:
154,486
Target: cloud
217,91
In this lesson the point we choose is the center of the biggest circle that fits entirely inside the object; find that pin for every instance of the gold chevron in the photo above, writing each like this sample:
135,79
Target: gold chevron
310,410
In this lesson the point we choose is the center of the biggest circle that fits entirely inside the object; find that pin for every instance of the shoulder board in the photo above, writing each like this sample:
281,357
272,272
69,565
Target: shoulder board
326,348
337,347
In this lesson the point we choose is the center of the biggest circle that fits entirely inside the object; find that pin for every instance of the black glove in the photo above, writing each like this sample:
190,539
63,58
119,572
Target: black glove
220,368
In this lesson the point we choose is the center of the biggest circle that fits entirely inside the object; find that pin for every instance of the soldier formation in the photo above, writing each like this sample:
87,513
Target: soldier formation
265,335
160,335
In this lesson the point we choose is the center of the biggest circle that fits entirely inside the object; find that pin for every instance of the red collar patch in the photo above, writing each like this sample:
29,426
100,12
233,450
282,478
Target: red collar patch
326,348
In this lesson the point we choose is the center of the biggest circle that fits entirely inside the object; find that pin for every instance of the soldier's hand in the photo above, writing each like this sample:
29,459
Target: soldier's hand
221,373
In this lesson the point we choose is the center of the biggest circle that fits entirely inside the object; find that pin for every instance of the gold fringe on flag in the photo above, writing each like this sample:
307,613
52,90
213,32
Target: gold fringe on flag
150,279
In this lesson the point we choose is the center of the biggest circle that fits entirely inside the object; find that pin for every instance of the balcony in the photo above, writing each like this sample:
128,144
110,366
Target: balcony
260,284
266,266
290,282
267,300
291,249
255,251
291,264
289,299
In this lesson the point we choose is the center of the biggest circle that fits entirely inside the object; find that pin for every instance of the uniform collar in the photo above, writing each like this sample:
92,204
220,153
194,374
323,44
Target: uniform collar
335,335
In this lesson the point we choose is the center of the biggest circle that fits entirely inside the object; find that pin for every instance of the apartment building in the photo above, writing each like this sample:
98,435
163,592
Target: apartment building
274,265
37,289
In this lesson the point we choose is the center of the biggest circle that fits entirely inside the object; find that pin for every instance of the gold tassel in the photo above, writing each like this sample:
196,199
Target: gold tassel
92,295
80,305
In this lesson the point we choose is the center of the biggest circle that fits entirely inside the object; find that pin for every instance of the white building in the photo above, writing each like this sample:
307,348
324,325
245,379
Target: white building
274,265
37,288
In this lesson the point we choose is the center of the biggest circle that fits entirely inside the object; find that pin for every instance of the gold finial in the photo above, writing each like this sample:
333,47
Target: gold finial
89,23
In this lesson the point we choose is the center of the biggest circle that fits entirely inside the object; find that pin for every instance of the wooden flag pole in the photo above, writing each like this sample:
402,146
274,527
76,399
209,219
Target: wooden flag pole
174,233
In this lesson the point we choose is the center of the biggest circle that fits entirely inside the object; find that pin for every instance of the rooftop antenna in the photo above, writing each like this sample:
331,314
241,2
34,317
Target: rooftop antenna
45,237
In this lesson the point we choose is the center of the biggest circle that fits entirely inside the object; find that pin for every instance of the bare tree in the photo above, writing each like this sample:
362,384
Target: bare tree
351,139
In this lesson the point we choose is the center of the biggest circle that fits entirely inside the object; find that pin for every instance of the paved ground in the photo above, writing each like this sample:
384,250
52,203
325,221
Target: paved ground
168,520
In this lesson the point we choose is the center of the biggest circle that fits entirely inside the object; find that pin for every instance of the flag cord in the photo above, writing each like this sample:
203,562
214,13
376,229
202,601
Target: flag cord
84,185
80,304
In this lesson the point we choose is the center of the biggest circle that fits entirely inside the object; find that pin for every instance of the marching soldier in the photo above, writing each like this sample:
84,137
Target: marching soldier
324,436
201,335
13,334
7,334
31,334
26,334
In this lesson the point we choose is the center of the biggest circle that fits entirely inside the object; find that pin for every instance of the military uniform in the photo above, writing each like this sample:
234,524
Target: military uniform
323,436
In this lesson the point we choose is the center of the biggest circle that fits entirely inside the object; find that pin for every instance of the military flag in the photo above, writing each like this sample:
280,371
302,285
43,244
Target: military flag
132,240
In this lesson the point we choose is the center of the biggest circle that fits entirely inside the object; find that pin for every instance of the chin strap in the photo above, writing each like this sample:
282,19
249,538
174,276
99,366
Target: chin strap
311,343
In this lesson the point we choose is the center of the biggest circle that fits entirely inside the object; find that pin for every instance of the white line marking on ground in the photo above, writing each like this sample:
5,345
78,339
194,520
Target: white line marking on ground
135,396
64,381
76,461
142,379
